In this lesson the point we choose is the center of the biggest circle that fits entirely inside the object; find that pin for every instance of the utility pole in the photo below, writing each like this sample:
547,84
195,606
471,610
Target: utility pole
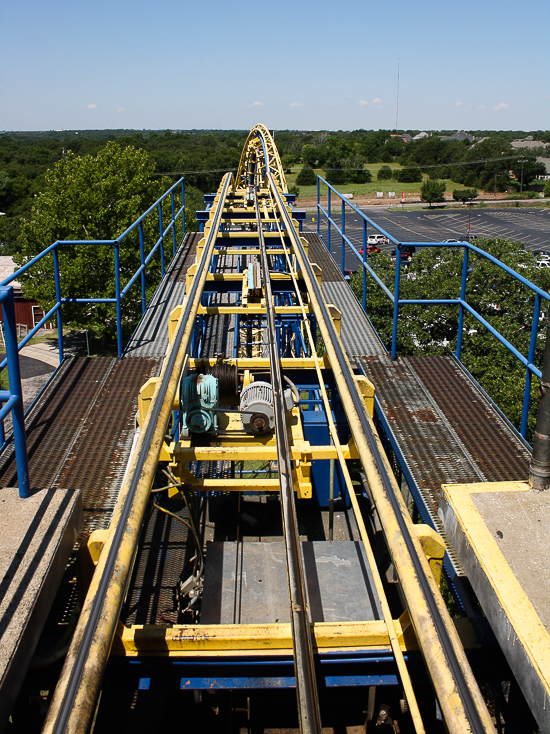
521,184
397,102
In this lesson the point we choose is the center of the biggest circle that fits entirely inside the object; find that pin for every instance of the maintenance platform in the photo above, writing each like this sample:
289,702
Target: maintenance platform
248,512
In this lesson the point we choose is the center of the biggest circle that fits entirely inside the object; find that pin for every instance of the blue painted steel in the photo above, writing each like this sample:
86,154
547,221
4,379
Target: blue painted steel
462,298
15,394
329,213
318,217
530,358
54,248
57,277
460,302
343,230
397,282
161,242
330,681
364,265
142,259
118,298
144,684
183,206
174,227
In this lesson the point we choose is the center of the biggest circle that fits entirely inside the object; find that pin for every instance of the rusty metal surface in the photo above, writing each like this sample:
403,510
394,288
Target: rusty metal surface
80,432
98,457
160,562
447,430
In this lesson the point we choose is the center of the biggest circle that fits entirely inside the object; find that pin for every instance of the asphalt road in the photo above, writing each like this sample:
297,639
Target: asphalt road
31,367
531,226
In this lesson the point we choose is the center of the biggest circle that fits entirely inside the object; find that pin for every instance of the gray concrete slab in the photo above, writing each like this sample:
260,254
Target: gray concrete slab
519,523
499,531
37,535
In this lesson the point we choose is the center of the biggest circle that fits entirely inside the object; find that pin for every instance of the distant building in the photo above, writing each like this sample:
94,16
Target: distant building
528,143
459,135
421,135
406,137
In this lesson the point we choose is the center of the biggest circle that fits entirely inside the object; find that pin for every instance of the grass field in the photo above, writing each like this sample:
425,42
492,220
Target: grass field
368,189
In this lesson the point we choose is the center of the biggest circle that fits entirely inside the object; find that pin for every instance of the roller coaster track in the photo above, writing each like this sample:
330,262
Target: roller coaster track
260,180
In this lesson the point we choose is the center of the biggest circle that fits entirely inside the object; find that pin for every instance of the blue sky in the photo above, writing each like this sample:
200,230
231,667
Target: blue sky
325,65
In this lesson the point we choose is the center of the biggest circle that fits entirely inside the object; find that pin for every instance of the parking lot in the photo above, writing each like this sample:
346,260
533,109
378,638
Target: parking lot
531,226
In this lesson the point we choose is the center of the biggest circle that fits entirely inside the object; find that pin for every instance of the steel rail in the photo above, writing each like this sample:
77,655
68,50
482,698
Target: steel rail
76,693
306,684
398,655
459,697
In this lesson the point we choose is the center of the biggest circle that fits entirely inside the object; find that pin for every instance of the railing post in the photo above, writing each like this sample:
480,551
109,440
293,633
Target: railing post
396,301
539,468
183,205
318,205
118,303
343,228
57,276
173,224
328,223
142,258
461,308
530,360
16,390
161,242
364,268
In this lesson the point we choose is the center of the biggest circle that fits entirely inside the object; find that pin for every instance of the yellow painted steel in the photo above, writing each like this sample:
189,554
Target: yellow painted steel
525,624
226,639
88,686
427,633
253,152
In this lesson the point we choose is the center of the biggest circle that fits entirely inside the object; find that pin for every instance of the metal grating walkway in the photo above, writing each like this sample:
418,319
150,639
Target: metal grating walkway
79,434
151,336
358,336
447,429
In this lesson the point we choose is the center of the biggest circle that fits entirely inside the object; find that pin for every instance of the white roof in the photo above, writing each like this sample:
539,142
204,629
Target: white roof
7,268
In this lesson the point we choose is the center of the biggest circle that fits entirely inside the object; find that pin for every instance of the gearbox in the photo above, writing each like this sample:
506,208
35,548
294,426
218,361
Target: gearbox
199,400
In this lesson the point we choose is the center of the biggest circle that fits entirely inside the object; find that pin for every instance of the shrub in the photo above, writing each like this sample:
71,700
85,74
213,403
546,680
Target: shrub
306,177
384,173
410,174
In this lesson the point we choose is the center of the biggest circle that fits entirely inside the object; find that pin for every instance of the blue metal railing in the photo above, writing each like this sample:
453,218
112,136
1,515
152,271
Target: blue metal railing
120,291
527,361
12,399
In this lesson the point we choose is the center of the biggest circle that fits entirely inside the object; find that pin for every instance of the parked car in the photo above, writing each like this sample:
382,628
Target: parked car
541,264
370,250
376,239
451,241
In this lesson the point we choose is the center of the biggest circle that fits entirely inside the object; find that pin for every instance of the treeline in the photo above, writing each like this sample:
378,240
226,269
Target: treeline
203,156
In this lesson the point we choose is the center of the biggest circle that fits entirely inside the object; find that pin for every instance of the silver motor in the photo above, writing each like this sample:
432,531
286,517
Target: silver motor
257,414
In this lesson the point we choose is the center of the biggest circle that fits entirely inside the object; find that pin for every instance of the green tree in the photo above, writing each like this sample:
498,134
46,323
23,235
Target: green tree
306,177
384,173
527,169
433,191
409,174
309,155
465,195
90,198
546,191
